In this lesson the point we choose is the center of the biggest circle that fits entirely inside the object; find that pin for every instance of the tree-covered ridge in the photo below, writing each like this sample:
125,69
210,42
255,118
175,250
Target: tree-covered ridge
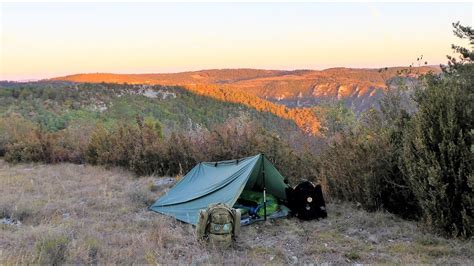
268,90
56,105
359,89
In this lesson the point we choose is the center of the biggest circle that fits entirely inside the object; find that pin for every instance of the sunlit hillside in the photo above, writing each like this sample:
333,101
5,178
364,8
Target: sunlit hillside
358,88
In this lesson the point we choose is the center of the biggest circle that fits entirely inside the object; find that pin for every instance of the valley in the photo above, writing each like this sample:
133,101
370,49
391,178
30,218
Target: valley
359,89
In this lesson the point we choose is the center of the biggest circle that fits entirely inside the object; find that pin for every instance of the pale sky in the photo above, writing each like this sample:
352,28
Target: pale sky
42,40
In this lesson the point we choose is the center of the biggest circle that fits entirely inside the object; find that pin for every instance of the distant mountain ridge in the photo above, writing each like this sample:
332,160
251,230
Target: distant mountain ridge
211,76
305,86
359,89
244,77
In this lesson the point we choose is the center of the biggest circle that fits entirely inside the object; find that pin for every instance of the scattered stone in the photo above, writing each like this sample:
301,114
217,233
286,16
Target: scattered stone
294,260
373,239
10,221
164,181
351,231
202,260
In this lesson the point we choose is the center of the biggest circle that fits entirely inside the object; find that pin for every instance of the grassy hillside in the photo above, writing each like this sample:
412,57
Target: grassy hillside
86,215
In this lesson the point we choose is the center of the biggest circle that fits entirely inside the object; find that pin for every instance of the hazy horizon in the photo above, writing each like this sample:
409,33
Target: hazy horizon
44,40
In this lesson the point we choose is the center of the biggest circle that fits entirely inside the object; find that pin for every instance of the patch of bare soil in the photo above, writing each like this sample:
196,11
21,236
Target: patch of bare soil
82,214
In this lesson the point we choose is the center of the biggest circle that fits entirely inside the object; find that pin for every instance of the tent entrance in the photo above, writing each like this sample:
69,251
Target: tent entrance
252,207
257,202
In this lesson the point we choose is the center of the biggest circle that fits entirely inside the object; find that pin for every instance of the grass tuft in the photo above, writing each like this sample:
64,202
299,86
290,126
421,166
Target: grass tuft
52,250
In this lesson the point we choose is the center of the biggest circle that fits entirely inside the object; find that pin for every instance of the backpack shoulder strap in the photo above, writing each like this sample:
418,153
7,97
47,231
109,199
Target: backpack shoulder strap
236,228
201,226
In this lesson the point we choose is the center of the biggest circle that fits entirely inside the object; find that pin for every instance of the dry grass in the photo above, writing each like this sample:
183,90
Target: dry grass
83,214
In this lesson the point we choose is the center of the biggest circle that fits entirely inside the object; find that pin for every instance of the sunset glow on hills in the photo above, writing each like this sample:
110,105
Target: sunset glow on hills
253,87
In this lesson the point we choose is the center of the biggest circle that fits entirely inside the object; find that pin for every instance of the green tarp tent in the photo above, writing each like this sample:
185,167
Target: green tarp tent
219,182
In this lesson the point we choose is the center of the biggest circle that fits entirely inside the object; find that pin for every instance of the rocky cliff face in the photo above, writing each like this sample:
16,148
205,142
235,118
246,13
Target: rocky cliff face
359,89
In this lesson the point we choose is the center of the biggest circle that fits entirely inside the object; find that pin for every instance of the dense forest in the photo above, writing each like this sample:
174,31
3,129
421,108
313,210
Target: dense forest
411,156
56,105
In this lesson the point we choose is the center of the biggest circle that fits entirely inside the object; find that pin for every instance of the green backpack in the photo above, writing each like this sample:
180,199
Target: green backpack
219,224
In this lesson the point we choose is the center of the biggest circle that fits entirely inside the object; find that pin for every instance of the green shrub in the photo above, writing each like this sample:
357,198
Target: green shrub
70,144
52,250
437,157
93,246
438,149
362,165
180,153
49,147
352,255
135,146
28,150
14,128
98,146
147,156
